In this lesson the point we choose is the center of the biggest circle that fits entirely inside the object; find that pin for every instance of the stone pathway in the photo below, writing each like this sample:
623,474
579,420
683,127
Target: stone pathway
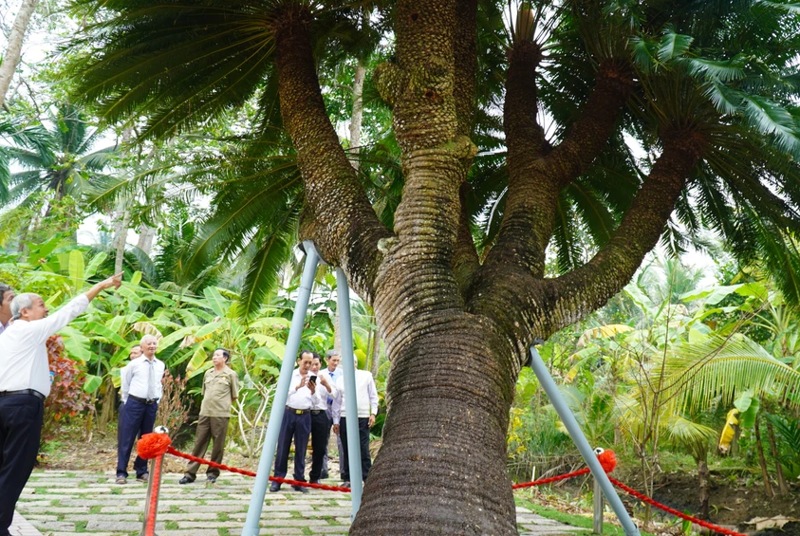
65,503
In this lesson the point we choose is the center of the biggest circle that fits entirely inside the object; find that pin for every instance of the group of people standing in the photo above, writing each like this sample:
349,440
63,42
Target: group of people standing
315,404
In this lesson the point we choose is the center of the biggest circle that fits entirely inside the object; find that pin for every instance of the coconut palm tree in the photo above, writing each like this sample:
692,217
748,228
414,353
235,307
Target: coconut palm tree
55,161
707,90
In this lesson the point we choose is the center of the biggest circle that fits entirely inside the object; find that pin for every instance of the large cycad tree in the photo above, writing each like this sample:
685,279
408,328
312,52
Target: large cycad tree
705,88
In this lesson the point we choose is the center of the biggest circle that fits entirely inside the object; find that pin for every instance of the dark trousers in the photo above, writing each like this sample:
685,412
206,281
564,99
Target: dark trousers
138,420
209,429
320,432
363,437
21,418
297,427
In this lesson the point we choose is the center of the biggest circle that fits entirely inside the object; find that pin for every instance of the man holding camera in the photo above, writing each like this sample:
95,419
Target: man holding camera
296,424
320,421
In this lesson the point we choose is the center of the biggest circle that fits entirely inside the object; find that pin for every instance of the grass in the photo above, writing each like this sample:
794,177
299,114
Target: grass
80,526
572,519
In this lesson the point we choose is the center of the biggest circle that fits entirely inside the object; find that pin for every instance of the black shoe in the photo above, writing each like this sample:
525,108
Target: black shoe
346,484
211,479
315,482
185,480
144,477
324,475
301,489
275,486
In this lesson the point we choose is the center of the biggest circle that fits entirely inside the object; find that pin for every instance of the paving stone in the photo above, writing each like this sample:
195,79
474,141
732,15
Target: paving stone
58,502
117,526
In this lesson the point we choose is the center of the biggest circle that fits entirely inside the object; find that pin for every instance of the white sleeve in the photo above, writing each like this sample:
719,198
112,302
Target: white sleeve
125,382
51,324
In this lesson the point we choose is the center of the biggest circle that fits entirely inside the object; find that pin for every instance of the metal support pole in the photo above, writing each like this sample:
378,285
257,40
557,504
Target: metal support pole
351,402
580,441
281,392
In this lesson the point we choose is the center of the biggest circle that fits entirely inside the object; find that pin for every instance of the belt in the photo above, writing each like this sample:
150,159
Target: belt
32,392
317,411
297,411
147,401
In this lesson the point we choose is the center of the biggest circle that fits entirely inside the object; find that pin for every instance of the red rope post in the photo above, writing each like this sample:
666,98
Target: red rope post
153,447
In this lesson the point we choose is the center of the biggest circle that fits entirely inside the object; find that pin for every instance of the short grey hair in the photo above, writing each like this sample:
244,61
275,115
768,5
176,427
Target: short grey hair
20,302
331,353
147,338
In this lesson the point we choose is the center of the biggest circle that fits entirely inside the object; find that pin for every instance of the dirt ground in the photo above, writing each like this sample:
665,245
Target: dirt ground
734,501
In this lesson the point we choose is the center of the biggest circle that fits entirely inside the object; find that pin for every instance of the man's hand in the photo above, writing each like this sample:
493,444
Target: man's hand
336,429
324,383
113,281
371,421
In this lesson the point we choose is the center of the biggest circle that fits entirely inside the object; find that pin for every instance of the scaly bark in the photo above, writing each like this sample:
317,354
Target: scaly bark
537,174
339,216
530,307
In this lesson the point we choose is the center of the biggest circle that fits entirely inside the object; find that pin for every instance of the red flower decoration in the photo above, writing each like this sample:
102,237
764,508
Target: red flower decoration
153,445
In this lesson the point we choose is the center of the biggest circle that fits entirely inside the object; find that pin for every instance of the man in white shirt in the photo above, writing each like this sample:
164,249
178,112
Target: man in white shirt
141,390
332,358
296,423
320,422
367,404
25,383
6,296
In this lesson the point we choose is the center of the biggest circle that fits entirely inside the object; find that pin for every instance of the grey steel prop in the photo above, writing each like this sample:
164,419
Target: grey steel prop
281,392
580,441
353,443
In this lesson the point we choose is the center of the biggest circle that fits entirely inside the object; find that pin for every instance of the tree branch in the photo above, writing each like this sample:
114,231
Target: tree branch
571,297
338,215
536,173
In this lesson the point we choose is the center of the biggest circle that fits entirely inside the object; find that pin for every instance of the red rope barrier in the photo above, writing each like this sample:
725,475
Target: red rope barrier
653,502
244,472
543,481
608,466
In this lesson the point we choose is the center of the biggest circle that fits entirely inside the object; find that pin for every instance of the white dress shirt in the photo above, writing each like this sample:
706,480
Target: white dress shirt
321,395
299,398
23,352
366,396
142,378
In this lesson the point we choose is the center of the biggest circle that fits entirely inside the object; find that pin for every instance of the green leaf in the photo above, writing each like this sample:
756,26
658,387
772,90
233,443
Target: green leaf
92,383
710,296
76,268
94,264
673,45
743,401
748,418
101,330
217,303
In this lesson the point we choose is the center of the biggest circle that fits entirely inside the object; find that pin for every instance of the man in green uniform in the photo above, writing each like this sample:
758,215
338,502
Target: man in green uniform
220,389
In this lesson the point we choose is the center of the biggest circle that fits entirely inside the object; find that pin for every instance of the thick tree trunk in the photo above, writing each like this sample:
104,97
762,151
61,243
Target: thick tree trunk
762,461
14,48
146,236
120,236
443,461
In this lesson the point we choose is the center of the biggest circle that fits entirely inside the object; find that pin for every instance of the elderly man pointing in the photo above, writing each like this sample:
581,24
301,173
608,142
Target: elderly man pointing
25,383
